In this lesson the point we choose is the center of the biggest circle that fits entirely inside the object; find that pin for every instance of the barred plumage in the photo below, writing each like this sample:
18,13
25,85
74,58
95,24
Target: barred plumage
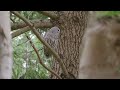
51,37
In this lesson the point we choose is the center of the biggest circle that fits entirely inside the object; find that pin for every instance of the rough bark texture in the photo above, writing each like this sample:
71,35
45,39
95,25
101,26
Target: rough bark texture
72,25
5,46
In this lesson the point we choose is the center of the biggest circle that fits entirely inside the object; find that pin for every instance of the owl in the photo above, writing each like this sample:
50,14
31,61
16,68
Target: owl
51,37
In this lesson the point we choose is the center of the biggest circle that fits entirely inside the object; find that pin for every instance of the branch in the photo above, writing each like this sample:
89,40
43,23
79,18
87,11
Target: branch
40,61
19,32
50,14
43,24
36,23
45,43
12,20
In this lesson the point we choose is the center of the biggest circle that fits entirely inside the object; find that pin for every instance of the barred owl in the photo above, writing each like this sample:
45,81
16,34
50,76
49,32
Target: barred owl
51,37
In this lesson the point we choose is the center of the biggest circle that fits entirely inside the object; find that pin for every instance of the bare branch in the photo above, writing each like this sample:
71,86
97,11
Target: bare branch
19,32
40,61
50,14
45,43
19,25
36,23
12,20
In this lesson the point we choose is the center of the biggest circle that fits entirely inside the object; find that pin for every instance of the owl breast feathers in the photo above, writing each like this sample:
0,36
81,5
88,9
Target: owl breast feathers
51,37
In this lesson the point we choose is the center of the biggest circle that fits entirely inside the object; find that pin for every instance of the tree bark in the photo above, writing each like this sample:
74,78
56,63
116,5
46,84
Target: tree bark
72,25
5,46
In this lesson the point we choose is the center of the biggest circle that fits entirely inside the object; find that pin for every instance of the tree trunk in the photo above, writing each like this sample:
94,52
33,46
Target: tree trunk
72,25
5,46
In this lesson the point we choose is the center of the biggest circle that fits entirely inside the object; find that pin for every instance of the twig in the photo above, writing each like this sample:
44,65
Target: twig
40,61
12,20
45,43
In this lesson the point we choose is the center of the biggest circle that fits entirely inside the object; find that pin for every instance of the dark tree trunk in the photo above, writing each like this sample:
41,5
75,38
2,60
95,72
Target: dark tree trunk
72,25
